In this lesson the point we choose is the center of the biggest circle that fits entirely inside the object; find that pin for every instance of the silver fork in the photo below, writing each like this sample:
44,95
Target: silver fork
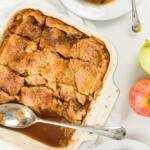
136,25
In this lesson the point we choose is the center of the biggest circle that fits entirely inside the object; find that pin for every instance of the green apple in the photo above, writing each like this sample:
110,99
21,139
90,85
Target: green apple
145,56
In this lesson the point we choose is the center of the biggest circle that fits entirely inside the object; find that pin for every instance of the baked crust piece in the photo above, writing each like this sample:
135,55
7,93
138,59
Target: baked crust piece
49,65
9,81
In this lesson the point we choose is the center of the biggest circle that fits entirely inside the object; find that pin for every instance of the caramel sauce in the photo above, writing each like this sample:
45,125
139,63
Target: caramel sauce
49,134
1,118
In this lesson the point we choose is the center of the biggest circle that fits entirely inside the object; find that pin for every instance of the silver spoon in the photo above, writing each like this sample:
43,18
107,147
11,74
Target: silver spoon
19,116
136,25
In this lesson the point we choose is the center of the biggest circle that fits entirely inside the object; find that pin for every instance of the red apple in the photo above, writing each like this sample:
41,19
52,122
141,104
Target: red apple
140,97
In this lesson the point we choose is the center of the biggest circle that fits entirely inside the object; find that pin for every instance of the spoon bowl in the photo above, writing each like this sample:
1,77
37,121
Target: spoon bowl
16,116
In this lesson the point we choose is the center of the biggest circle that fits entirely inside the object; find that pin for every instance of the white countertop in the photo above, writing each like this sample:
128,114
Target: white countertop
128,71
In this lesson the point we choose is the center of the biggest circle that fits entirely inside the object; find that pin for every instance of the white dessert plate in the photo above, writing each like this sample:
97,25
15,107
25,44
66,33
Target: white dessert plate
90,11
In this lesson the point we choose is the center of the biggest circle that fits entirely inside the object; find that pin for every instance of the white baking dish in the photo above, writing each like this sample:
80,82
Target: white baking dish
100,109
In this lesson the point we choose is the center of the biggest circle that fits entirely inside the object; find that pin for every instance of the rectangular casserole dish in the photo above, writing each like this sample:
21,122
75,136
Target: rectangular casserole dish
99,110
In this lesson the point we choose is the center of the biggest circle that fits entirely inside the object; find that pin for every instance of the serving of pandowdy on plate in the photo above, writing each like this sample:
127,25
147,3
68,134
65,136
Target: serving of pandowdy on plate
64,72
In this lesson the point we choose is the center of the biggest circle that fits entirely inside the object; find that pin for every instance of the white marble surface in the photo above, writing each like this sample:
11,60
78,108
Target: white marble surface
128,71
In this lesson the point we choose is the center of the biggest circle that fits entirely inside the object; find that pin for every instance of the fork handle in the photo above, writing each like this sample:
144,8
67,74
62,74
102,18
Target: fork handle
136,25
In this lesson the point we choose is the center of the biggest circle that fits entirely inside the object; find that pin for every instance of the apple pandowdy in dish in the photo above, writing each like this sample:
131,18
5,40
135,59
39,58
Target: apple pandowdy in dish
51,67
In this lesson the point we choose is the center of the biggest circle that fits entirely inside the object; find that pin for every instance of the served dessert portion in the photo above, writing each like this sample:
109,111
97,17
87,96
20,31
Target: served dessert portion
99,1
51,67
